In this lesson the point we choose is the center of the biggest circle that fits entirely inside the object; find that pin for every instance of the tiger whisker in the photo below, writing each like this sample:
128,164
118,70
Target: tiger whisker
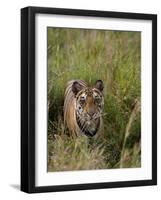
100,115
84,127
82,123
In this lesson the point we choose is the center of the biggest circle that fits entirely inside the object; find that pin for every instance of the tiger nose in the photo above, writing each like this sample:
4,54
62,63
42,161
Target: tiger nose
90,113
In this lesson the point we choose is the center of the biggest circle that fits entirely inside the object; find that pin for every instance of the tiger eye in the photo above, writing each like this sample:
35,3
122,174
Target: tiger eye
97,99
82,100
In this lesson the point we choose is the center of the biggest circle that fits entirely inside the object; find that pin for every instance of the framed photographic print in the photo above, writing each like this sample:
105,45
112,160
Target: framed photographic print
88,99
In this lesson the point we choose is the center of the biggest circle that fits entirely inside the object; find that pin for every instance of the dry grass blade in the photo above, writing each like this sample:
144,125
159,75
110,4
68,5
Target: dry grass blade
135,111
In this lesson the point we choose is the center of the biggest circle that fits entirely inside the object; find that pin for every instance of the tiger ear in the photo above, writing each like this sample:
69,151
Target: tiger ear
76,87
99,85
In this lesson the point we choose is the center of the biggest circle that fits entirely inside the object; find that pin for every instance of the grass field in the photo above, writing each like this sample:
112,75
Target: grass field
115,58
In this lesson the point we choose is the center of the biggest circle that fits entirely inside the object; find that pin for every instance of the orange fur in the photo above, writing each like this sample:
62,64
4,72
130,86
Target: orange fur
89,107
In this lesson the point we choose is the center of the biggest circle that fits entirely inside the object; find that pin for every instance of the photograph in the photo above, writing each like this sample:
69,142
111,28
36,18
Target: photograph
93,99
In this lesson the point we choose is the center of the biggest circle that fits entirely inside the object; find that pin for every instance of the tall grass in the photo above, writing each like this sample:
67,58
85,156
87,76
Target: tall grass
115,58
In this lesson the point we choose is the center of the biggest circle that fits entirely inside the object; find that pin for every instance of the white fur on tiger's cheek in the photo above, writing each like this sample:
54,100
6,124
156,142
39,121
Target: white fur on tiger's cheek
83,95
75,105
79,109
95,94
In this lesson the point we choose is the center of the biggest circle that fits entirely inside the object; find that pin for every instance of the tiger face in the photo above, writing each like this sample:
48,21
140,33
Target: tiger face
88,107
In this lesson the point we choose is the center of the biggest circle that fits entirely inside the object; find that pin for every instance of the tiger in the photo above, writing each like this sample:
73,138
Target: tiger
83,107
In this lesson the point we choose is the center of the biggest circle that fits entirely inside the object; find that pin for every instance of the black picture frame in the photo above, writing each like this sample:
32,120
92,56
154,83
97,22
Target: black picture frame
28,98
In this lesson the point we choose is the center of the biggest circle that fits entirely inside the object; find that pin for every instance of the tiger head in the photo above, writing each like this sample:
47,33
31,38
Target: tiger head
88,107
